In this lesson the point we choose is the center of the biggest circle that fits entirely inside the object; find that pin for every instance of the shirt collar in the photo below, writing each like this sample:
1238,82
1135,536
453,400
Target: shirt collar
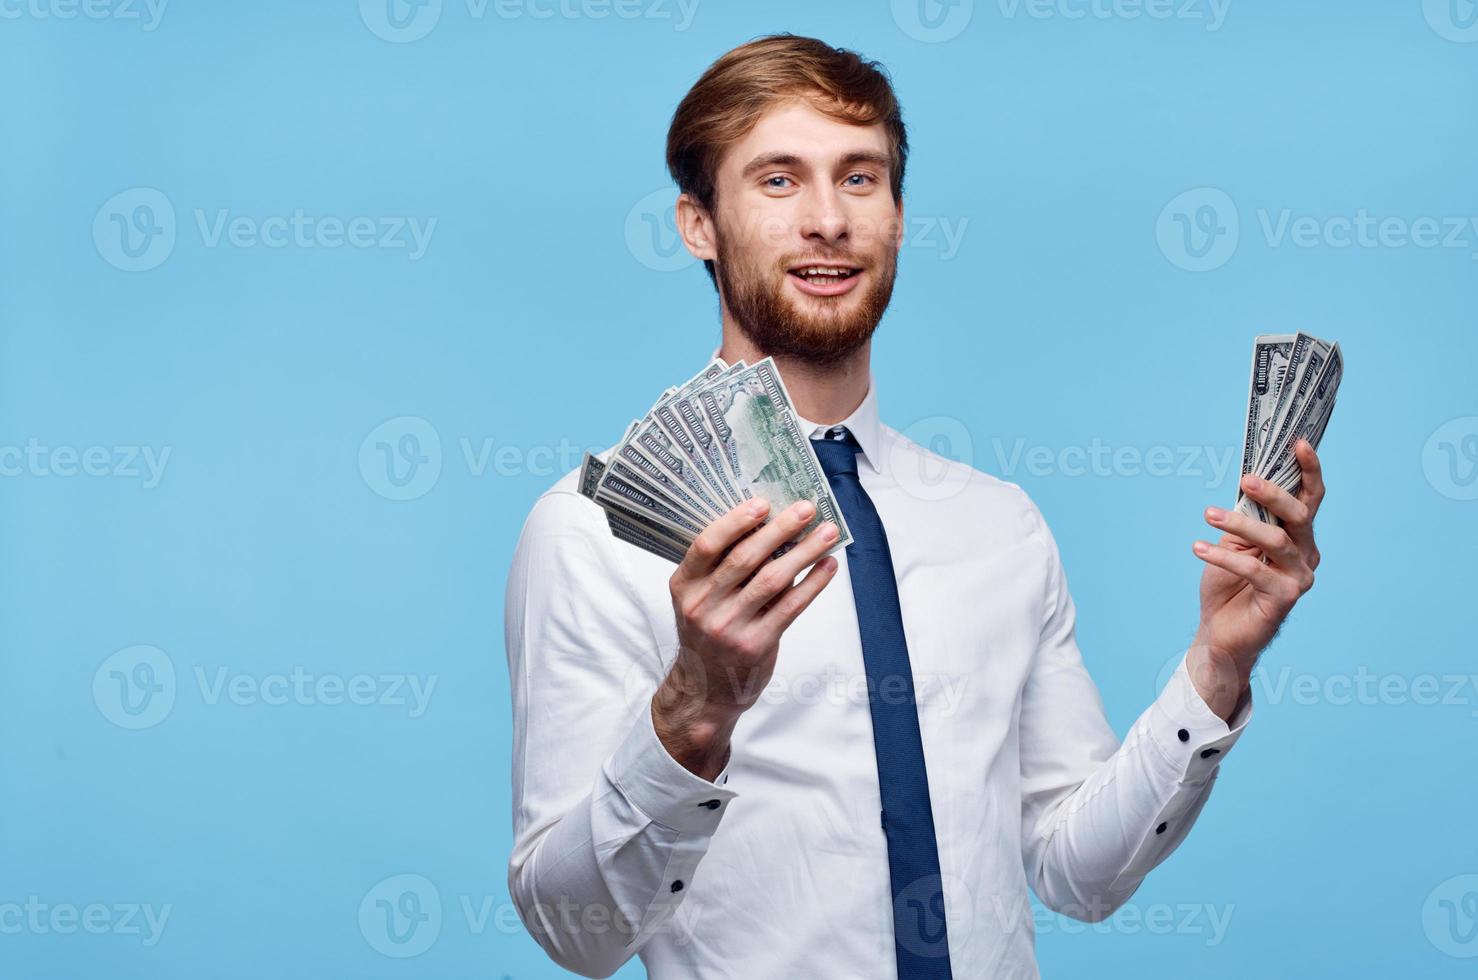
862,423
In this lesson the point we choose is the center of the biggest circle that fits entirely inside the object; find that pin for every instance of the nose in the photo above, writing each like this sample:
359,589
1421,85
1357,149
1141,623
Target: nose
824,219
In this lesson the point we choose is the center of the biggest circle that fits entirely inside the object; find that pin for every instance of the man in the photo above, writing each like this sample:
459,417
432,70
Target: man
687,788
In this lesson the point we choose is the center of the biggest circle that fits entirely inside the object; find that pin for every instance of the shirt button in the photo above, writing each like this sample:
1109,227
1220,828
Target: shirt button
677,886
1208,753
1159,830
711,804
1183,735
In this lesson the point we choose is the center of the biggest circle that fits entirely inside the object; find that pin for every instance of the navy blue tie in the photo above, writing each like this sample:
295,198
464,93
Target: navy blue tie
920,939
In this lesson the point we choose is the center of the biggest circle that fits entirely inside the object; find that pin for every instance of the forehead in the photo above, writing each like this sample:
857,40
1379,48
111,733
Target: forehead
794,127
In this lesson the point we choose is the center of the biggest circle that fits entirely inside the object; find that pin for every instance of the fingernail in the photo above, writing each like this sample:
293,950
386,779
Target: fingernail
1200,547
1254,483
758,508
802,508
1216,513
829,532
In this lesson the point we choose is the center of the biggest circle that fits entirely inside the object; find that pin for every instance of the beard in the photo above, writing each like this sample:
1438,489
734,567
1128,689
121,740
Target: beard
837,325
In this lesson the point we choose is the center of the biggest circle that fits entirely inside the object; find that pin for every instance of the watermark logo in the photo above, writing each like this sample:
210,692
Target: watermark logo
1212,12
921,460
35,917
135,687
37,459
1450,917
933,21
134,230
651,233
1211,465
400,459
1450,459
147,12
1453,20
400,21
401,916
1198,230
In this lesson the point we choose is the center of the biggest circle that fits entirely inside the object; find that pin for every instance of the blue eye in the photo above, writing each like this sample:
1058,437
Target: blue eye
770,181
866,178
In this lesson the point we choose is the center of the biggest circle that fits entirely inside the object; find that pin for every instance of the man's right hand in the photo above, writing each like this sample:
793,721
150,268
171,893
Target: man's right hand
732,602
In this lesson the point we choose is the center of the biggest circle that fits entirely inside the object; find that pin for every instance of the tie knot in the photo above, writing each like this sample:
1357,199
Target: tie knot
837,451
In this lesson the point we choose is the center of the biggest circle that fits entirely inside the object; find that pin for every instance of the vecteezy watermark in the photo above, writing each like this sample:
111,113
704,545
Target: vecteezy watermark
1450,917
653,239
1209,464
1358,687
403,21
1450,458
1199,230
137,688
941,694
38,918
1207,919
1213,13
137,230
147,13
402,459
403,916
933,21
36,459
400,916
1452,20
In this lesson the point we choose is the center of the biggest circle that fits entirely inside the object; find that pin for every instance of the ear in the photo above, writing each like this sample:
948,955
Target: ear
696,226
898,238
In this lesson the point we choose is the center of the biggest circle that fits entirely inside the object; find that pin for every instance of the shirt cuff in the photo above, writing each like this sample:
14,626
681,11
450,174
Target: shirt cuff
658,785
1191,736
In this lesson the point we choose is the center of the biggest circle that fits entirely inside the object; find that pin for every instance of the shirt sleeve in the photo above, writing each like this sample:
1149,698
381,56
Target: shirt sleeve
608,828
1097,815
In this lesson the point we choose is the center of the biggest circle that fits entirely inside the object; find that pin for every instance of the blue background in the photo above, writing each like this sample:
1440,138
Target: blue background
548,307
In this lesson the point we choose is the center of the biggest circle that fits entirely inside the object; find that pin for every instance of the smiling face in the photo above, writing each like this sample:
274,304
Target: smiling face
805,238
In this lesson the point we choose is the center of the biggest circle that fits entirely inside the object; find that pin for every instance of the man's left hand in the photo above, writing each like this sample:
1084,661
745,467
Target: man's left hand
1254,575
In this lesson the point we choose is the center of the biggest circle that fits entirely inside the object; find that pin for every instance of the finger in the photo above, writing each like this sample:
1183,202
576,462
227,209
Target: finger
793,601
746,556
774,577
1312,492
1264,578
1272,541
1295,514
710,546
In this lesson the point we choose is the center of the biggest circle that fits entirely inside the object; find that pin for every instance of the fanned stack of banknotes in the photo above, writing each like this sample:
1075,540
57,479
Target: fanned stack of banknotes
727,435
1291,396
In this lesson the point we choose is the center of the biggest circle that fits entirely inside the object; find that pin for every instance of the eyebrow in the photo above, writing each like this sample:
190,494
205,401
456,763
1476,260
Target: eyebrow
765,160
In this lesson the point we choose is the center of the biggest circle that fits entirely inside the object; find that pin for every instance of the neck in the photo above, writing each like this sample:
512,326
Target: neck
821,394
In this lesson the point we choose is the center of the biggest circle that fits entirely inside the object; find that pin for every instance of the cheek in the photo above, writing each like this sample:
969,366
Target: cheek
876,230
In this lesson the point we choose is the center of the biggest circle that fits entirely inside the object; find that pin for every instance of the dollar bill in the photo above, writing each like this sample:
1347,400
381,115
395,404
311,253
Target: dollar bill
1291,395
760,446
629,525
727,435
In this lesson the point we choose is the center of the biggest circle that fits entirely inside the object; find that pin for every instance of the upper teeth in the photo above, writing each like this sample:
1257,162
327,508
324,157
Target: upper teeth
824,270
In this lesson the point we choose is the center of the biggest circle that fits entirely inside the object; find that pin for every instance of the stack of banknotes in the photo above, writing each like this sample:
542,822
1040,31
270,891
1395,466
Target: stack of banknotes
727,435
1291,396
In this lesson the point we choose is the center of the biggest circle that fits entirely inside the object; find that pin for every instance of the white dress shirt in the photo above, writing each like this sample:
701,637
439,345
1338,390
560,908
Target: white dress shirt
779,868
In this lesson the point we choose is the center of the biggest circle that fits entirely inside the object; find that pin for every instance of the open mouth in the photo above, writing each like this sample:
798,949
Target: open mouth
824,280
